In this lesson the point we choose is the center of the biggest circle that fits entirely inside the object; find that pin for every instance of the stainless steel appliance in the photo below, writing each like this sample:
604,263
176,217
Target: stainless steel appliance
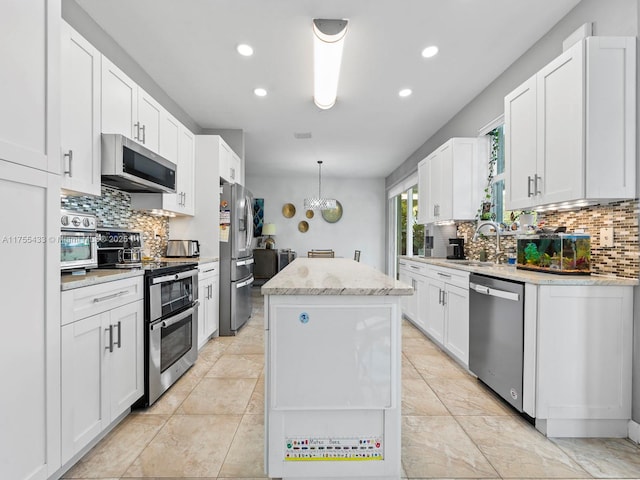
496,335
129,166
285,257
119,248
455,249
236,257
183,248
171,322
78,250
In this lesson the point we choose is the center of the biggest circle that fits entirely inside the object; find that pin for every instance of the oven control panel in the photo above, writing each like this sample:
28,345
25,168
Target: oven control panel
77,221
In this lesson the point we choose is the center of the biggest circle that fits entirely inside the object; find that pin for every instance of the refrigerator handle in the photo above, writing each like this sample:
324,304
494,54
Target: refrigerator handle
249,222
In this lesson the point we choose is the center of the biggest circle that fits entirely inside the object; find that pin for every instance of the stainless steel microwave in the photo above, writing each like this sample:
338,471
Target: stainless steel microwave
129,166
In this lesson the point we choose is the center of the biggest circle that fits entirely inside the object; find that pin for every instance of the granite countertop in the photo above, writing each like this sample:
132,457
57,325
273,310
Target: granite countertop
95,277
198,260
511,273
333,276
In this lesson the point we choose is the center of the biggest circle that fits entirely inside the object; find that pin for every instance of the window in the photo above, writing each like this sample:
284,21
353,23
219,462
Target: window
410,233
495,207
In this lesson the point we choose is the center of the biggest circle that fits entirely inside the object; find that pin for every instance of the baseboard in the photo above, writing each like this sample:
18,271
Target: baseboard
583,428
634,431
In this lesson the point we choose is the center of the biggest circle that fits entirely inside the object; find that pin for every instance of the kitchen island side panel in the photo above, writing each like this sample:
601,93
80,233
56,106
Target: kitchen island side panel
333,393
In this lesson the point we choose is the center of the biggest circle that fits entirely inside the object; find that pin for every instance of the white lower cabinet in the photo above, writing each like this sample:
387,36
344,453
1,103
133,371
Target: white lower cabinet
413,273
456,339
584,358
208,295
439,305
102,364
447,318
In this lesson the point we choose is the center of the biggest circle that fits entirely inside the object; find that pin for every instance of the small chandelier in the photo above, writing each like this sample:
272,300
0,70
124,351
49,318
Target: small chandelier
319,203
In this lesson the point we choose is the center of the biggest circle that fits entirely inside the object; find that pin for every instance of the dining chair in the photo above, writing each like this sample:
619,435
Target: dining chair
320,254
356,256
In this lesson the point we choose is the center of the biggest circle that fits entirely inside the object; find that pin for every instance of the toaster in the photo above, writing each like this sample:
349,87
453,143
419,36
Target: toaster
183,248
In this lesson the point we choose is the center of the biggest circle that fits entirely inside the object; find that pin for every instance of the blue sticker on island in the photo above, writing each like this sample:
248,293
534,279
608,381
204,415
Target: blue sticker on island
304,317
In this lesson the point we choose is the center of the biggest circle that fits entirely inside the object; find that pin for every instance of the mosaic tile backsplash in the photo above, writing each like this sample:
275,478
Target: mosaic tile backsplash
622,260
113,209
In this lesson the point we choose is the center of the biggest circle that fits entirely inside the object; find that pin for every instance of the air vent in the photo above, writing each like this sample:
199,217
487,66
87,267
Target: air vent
302,135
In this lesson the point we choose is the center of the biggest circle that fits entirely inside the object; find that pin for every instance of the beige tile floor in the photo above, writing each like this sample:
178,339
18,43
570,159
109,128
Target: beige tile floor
210,425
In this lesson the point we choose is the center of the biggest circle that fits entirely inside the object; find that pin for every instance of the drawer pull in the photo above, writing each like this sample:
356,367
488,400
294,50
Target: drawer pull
445,275
109,297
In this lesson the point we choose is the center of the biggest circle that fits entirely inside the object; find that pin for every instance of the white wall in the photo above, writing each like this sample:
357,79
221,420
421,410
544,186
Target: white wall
362,226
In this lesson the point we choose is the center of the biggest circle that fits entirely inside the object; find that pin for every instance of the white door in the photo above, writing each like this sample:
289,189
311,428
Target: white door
445,201
27,85
520,141
119,101
84,413
150,115
126,361
434,318
560,127
457,322
434,174
80,113
186,175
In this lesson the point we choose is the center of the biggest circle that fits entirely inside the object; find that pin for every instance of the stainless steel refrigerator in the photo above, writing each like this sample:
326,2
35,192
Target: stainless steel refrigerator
236,257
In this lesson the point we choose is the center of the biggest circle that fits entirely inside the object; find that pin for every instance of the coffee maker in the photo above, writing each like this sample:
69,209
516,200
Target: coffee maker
455,249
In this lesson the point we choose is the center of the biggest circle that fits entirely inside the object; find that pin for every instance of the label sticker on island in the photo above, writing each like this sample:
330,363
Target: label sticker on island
332,449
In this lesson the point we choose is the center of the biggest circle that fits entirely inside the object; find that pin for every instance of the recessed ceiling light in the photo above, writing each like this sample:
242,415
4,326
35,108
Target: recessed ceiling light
245,50
405,92
260,92
430,51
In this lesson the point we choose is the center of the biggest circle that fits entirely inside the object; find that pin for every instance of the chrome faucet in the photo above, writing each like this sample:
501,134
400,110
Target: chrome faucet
496,227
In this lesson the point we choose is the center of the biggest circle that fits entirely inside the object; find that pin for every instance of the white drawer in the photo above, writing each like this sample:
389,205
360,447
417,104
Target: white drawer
207,270
452,276
84,302
417,268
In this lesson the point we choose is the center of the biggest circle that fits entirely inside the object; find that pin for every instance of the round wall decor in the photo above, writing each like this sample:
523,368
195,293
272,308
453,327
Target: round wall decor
288,210
303,226
332,215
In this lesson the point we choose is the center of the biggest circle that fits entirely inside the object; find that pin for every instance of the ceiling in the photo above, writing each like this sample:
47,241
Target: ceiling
189,48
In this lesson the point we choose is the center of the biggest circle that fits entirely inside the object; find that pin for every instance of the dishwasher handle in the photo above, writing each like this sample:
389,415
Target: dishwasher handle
494,292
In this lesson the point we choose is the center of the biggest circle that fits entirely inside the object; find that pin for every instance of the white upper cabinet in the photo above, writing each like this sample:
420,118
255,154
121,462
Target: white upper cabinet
119,101
127,109
423,186
30,89
570,129
150,115
80,113
453,179
230,164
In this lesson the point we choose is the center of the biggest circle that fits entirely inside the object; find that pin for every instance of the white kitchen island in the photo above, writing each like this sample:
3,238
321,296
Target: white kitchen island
332,363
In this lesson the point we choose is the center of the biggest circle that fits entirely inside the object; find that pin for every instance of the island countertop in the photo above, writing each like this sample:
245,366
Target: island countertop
333,276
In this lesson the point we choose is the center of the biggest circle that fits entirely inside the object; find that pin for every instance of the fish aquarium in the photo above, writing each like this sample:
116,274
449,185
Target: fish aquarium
562,253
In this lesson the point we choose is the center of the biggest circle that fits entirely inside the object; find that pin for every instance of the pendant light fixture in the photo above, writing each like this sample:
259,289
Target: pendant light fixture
319,203
328,42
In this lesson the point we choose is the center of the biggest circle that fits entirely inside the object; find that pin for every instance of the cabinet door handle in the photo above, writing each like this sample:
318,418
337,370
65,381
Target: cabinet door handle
110,346
69,155
144,134
119,342
535,185
233,173
444,298
137,135
529,180
109,297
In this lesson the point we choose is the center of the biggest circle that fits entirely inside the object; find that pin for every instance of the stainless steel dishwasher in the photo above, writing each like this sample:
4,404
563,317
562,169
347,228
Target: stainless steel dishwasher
496,335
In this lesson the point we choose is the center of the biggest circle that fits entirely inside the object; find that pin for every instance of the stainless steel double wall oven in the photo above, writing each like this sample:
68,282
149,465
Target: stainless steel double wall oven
171,321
